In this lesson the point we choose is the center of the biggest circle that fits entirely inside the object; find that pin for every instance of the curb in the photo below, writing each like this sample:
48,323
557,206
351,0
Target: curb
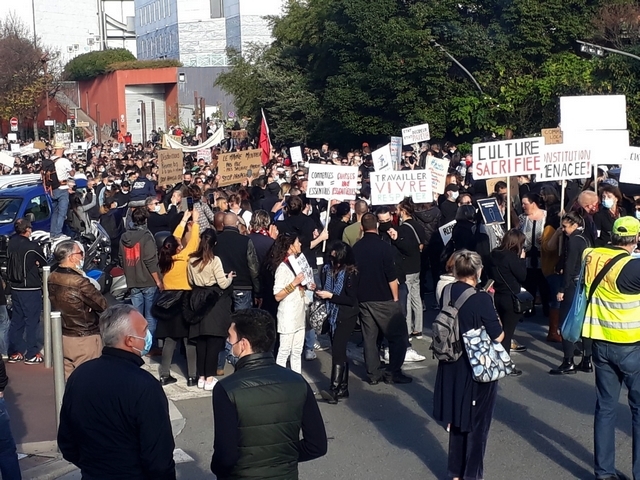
49,462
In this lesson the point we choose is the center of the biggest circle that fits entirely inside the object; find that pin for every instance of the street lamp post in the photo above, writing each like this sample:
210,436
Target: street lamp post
598,50
436,44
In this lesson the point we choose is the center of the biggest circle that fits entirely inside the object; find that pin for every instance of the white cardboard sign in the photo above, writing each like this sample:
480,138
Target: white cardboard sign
296,154
389,188
593,112
416,134
507,158
565,162
205,154
332,182
396,151
630,170
300,265
446,231
439,169
382,159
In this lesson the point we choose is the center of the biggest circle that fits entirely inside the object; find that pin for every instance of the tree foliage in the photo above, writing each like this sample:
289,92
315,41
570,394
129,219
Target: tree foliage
351,70
92,64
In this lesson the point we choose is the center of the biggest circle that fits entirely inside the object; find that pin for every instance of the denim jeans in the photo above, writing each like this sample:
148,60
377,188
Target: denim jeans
614,365
242,299
142,300
60,200
27,306
5,323
9,467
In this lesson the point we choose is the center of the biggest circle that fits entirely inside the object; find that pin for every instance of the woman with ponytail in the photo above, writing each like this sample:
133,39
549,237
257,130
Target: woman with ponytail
173,260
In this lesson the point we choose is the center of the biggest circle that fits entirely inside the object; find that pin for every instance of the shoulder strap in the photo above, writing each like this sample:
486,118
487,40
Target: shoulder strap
414,232
505,282
446,296
603,273
464,297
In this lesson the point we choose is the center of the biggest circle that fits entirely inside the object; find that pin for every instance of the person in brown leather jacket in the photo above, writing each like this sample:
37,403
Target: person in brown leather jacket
80,303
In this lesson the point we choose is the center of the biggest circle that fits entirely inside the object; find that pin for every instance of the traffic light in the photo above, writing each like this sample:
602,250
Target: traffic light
73,123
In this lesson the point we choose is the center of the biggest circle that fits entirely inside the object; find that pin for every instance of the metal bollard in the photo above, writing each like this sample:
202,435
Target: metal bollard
46,316
58,361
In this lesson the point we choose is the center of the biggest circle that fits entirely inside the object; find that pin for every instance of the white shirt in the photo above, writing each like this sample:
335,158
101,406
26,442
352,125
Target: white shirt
292,308
63,169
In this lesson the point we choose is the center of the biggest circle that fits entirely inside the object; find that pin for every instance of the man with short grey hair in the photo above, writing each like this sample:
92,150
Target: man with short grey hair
114,421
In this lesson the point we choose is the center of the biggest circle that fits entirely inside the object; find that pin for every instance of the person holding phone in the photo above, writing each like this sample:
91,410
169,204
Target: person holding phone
206,215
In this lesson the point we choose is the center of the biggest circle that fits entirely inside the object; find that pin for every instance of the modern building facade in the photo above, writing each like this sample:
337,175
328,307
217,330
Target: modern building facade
78,27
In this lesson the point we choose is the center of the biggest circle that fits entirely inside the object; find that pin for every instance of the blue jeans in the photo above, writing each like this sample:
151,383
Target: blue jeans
615,365
60,200
5,323
27,306
9,467
242,299
142,300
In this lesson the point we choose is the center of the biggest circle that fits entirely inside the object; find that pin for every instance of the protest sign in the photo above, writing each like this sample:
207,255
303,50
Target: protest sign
416,134
40,145
593,112
439,169
296,154
564,162
388,188
6,159
382,159
507,158
490,211
332,182
205,154
234,167
608,147
170,166
12,137
552,136
630,170
15,148
300,265
491,184
239,134
446,231
396,152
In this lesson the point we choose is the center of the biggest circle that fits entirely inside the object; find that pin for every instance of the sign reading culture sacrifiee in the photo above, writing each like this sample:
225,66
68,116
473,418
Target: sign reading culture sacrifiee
507,158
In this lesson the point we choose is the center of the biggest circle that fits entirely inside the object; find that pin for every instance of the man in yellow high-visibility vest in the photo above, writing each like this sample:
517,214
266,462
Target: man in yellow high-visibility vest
612,322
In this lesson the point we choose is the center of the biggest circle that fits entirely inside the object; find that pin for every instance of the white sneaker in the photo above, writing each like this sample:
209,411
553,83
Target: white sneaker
413,356
310,355
209,386
319,347
201,383
385,355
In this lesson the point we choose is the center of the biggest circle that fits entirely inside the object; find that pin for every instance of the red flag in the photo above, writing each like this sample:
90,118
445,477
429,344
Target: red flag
265,141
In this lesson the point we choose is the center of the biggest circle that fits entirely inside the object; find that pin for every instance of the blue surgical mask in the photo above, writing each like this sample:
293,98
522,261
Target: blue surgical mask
233,359
607,203
638,215
148,340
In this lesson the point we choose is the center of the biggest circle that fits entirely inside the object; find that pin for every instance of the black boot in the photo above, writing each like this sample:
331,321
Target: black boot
567,367
343,388
586,365
331,396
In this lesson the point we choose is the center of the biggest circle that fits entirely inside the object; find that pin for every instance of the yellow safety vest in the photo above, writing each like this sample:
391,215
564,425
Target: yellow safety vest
611,315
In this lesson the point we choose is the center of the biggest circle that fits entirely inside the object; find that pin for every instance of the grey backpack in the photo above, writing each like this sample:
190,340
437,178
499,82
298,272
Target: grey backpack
445,332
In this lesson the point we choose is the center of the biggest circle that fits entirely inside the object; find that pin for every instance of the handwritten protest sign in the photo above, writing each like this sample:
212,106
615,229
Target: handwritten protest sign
205,154
417,134
396,152
170,165
446,231
439,169
552,136
233,167
388,188
296,154
332,182
507,158
382,159
301,265
630,171
565,162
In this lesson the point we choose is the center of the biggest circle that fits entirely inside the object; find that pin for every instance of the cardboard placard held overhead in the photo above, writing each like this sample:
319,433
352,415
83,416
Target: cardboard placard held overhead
507,158
382,159
609,147
234,167
332,182
205,154
593,112
446,231
490,211
296,155
170,166
630,170
439,169
552,136
415,134
565,162
396,152
389,188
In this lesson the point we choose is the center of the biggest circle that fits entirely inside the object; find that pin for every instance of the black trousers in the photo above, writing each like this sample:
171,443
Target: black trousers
536,280
344,329
568,348
385,317
466,449
207,350
509,319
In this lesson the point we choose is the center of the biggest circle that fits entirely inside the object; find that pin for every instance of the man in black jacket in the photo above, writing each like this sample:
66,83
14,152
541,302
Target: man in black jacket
379,306
260,410
238,254
26,258
114,421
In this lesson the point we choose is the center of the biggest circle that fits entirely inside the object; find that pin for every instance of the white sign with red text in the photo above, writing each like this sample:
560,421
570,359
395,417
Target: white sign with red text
565,162
332,182
507,158
389,188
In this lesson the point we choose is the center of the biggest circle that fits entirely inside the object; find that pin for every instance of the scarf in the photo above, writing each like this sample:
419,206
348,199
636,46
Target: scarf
334,285
262,231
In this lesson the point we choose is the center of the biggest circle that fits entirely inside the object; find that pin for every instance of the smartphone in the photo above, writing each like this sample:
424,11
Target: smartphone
487,286
249,173
190,204
212,198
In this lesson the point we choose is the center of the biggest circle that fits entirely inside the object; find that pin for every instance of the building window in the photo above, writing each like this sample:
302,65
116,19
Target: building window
217,8
168,8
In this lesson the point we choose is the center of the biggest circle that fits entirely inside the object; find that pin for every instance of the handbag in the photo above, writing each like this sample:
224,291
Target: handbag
571,329
165,306
317,315
489,360
522,301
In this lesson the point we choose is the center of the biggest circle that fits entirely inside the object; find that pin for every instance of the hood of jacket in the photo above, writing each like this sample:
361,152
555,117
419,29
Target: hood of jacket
131,237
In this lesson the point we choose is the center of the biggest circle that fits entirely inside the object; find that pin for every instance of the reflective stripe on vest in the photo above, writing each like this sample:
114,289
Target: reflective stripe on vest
612,315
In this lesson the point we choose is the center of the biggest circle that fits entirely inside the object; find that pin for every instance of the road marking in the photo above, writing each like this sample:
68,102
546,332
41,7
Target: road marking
180,456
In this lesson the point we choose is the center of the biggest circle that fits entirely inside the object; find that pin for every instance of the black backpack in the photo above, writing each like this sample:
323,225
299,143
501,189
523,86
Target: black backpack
446,344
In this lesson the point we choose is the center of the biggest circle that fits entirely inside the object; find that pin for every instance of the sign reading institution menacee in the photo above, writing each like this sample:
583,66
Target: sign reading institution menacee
507,158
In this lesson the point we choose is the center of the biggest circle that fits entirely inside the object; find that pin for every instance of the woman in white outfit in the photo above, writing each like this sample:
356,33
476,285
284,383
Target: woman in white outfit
290,295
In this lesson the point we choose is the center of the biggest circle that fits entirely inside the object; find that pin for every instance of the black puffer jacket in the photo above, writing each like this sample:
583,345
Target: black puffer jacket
25,261
430,220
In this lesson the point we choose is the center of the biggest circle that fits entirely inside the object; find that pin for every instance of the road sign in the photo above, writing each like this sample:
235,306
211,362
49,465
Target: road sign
82,124
231,114
49,123
14,124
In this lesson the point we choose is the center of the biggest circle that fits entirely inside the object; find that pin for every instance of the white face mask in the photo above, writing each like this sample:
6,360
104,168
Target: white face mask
156,209
455,195
80,264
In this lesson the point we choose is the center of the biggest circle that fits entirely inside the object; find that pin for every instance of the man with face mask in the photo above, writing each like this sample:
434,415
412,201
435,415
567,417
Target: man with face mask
124,430
262,404
449,207
79,302
161,222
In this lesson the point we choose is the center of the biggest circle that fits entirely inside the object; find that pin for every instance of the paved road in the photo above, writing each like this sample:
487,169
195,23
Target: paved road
542,426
